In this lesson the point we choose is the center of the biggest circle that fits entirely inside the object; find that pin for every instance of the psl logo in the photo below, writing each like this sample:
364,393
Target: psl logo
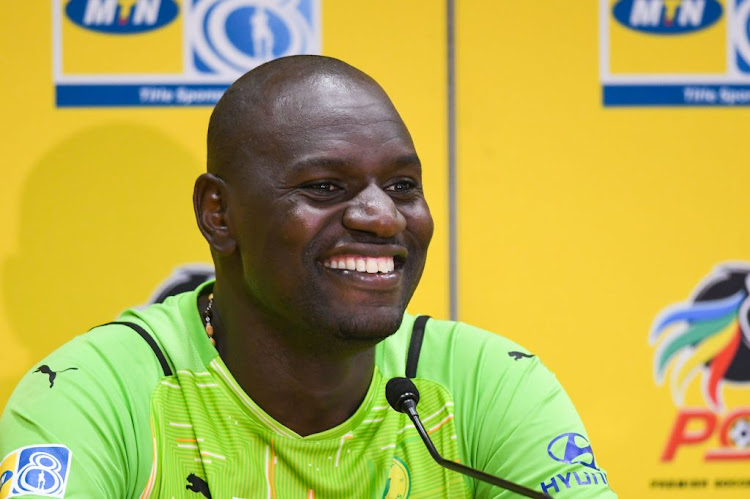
121,16
667,17
707,339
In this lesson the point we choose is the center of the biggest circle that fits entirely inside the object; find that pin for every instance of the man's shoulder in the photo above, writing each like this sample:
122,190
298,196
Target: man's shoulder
122,352
173,329
453,348
109,352
468,336
88,404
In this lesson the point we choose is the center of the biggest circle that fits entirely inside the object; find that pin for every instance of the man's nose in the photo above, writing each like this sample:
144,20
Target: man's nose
373,211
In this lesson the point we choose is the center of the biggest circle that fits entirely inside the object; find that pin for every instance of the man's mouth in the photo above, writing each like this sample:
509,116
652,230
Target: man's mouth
361,263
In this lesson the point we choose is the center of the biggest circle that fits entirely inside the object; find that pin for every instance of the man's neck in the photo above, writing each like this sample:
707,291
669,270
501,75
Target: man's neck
306,391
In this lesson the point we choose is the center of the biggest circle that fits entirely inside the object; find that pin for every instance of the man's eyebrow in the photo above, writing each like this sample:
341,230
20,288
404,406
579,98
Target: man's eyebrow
320,162
410,159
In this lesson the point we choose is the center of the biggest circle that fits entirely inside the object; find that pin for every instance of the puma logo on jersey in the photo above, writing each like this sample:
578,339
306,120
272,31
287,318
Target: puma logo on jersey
45,369
518,355
197,484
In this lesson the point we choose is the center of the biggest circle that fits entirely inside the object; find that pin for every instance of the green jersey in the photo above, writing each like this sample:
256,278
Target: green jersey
148,409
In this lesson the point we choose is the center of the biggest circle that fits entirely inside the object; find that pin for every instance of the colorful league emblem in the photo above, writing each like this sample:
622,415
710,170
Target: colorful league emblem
703,349
707,338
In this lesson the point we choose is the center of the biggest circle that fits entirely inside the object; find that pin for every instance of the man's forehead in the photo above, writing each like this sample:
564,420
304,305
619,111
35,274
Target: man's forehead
325,97
321,113
287,113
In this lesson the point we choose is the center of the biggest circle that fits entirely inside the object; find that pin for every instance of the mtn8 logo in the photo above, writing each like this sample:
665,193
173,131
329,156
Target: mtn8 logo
42,470
230,37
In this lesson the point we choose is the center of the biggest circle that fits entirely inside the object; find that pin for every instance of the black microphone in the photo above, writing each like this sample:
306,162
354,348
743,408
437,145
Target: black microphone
403,396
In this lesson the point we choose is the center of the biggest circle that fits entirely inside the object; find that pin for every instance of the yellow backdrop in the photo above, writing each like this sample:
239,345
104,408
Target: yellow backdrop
578,224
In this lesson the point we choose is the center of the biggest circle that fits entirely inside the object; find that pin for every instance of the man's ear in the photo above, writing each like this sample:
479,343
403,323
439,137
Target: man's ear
210,202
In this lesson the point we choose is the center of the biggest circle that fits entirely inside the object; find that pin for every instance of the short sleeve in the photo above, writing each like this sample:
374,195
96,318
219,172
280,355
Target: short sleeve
514,419
540,441
77,424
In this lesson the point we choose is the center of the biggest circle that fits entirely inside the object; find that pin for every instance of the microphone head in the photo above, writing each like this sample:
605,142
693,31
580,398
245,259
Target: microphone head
398,390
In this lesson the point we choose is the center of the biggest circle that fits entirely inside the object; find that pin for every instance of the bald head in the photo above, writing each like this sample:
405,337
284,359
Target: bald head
279,99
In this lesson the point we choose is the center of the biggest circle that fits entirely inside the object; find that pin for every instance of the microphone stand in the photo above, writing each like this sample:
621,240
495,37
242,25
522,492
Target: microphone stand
410,408
403,396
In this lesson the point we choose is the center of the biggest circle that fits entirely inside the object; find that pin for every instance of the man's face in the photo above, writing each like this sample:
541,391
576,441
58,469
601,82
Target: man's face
333,227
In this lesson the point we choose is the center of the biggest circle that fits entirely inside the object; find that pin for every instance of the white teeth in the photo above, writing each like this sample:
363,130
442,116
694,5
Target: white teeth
383,265
370,265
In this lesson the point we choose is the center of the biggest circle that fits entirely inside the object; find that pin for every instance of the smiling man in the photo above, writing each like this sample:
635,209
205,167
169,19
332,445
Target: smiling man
270,380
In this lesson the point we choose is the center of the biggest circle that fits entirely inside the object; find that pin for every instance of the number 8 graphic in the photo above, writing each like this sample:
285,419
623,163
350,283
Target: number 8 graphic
41,474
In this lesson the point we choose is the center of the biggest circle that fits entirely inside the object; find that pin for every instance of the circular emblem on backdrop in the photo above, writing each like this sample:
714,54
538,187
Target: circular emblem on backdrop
741,34
398,485
233,36
572,448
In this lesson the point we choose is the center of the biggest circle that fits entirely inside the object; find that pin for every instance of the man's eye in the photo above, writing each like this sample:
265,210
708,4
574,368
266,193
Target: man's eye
402,186
322,187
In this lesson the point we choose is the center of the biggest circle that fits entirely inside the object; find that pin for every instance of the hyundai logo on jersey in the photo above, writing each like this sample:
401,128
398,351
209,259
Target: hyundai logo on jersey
572,448
667,17
191,51
123,16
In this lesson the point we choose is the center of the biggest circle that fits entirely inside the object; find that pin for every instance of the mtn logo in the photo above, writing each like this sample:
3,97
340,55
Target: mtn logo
121,16
667,17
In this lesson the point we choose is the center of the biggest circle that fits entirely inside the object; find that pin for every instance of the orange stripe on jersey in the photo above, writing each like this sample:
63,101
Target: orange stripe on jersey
440,424
152,477
272,472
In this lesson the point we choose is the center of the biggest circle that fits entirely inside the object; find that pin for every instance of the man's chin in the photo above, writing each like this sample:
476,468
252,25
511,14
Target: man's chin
369,328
